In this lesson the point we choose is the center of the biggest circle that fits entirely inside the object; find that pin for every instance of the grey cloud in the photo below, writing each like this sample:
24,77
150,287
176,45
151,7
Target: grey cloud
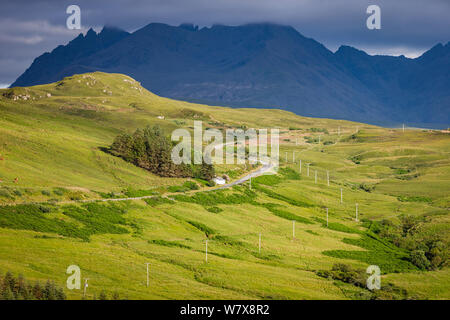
408,26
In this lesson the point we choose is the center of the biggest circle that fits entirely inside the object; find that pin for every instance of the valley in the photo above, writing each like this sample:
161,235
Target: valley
58,183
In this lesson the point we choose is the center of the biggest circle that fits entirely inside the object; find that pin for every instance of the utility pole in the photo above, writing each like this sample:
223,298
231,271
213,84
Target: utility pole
328,178
148,280
341,196
293,156
300,166
250,182
319,138
85,287
259,250
293,229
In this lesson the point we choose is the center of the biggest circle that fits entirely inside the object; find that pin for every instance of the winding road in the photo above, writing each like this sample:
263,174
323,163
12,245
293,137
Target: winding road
266,167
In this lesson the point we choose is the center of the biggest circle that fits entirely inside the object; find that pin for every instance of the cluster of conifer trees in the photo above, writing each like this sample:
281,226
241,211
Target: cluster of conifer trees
12,288
151,149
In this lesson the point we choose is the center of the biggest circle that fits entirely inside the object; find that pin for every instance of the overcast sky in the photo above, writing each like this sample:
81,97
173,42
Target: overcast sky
409,27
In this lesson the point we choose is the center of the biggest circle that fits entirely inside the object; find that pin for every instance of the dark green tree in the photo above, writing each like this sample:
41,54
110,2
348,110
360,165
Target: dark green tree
37,291
151,149
7,294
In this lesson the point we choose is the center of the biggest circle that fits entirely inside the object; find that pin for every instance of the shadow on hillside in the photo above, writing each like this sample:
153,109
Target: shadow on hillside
105,150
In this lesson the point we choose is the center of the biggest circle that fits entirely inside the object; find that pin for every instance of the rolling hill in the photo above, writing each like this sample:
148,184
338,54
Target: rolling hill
53,168
262,66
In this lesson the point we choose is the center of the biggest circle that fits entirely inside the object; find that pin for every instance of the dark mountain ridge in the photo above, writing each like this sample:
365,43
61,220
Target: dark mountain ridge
262,65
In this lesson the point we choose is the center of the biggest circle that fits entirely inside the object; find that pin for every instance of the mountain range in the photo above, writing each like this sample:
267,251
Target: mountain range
262,66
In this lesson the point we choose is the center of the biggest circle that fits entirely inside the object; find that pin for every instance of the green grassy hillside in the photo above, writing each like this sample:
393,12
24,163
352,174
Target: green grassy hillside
52,139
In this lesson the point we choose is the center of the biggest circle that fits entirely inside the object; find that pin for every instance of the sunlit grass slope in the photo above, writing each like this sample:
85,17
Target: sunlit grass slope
51,151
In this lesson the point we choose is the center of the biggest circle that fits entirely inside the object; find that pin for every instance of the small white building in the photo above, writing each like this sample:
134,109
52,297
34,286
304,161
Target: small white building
219,181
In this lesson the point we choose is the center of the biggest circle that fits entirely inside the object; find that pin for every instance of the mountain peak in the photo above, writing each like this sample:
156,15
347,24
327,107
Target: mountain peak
435,52
258,65
110,35
91,33
78,38
346,50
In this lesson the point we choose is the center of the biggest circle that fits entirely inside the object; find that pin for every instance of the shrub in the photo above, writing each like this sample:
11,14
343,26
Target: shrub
408,177
60,191
95,218
202,182
210,183
410,224
45,209
408,236
5,193
214,209
213,198
277,196
358,278
356,159
98,218
367,187
234,173
312,232
337,226
102,295
289,173
200,226
75,195
385,229
191,185
187,186
402,171
17,193
157,201
284,214
174,189
310,139
324,130
378,252
345,273
228,241
109,195
168,244
268,180
419,259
